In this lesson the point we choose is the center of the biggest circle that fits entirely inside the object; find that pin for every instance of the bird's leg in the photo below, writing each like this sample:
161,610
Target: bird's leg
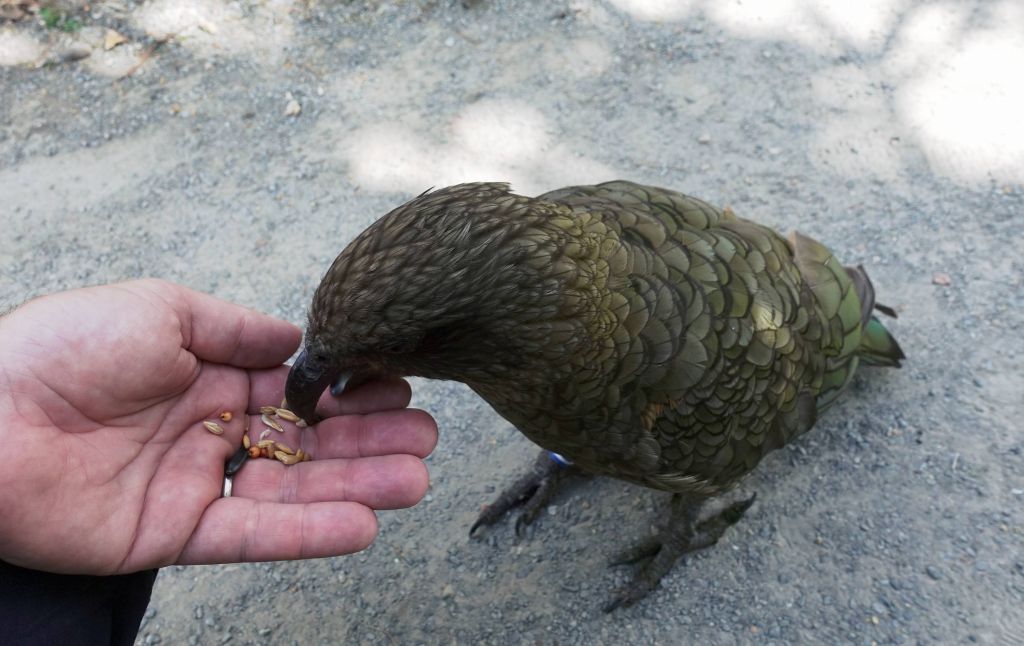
533,491
683,533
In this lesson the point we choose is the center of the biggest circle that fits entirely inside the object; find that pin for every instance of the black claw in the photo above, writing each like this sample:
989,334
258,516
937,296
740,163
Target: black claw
736,510
486,517
533,489
520,527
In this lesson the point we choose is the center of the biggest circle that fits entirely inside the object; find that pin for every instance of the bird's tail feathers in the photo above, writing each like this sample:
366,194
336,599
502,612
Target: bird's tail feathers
878,347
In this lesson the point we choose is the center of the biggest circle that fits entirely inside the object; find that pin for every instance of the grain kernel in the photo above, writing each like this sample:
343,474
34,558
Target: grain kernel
272,423
214,428
285,458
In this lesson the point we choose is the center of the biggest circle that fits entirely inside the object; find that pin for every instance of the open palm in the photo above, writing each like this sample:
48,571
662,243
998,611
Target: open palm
108,468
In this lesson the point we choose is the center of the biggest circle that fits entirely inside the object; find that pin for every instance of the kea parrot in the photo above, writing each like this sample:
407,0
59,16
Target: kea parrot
630,331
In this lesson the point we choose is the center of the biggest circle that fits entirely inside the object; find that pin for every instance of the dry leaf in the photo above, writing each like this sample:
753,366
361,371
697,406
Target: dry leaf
112,39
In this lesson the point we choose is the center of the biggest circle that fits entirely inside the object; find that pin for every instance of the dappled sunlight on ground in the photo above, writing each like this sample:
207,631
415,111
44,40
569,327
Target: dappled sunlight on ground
953,68
965,98
492,140
823,25
895,80
17,48
215,27
659,10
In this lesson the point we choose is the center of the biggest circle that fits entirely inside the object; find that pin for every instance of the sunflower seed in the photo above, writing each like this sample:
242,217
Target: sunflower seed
265,444
285,458
245,441
268,410
272,423
232,466
284,447
214,428
287,415
265,434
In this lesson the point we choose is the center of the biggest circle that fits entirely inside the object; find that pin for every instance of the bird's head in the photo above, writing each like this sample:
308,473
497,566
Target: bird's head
431,289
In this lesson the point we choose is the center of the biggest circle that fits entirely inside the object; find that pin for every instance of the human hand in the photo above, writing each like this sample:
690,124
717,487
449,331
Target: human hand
108,469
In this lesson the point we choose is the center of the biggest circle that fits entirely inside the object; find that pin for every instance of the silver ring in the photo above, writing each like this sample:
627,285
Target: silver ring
228,481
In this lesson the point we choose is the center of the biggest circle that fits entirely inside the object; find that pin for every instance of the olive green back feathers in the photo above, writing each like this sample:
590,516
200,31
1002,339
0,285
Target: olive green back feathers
639,332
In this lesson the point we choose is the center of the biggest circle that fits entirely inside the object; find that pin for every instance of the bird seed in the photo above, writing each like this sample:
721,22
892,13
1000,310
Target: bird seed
214,428
272,423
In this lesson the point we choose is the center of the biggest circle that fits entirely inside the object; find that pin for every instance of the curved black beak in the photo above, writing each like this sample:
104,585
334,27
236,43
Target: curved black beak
307,380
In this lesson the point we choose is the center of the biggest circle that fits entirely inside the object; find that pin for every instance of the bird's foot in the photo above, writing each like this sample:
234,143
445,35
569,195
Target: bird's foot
533,491
661,552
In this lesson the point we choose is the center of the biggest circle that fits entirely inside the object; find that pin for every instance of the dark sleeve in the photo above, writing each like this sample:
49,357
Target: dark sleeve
43,608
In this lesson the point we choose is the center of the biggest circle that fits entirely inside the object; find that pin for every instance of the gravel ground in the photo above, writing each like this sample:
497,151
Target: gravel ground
250,141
